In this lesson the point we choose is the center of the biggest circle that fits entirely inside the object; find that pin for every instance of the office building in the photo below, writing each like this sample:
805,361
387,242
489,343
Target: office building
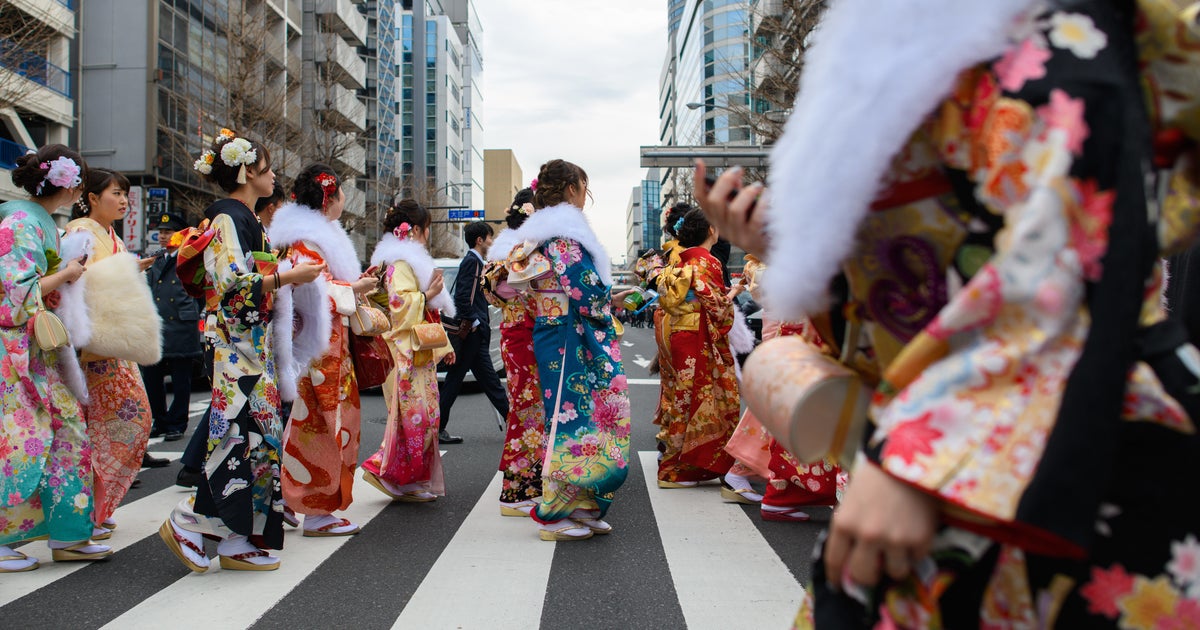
37,92
634,219
502,180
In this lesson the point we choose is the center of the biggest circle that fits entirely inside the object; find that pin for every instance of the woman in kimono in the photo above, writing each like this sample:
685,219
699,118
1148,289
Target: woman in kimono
525,441
320,443
408,465
792,487
240,497
700,411
117,410
1001,484
579,362
46,476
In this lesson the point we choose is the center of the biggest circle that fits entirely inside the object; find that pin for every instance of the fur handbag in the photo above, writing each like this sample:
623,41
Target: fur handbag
125,322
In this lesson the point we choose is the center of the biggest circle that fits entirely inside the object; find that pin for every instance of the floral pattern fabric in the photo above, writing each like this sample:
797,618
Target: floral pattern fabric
701,412
583,385
1022,400
320,442
45,455
118,410
243,491
409,453
525,438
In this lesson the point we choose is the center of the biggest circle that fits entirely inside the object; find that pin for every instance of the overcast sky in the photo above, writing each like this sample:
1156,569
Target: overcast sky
579,81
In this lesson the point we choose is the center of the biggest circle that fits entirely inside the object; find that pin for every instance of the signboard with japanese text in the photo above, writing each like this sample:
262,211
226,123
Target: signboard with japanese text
465,215
133,225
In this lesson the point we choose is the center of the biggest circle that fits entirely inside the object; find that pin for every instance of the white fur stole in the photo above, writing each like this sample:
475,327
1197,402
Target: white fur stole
878,68
503,245
391,249
294,223
72,306
283,321
567,221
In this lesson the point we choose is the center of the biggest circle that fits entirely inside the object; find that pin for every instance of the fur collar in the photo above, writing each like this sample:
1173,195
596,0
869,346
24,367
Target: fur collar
503,245
876,71
567,221
294,223
391,250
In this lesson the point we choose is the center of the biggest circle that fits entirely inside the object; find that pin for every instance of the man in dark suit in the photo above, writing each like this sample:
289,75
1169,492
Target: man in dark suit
472,341
180,338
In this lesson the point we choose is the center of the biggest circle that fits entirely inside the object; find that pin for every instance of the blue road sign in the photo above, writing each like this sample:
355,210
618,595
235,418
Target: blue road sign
465,215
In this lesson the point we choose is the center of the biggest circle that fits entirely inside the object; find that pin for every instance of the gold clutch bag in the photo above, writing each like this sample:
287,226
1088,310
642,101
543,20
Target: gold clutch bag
368,321
526,264
429,336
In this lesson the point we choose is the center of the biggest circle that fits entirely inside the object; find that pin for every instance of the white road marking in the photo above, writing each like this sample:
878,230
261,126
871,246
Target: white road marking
644,381
627,344
244,595
699,532
499,562
641,361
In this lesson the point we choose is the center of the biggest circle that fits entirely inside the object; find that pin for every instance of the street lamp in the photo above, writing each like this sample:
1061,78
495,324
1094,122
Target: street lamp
774,116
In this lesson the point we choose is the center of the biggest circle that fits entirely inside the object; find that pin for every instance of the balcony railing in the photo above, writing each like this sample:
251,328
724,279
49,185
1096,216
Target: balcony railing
9,152
70,4
34,67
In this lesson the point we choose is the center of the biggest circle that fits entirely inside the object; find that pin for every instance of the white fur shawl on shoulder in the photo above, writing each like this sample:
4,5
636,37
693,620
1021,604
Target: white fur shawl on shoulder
878,68
391,250
567,221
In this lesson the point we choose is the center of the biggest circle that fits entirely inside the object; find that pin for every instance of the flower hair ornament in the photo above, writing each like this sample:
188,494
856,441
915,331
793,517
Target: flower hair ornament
328,184
63,172
403,230
235,153
679,225
525,209
533,185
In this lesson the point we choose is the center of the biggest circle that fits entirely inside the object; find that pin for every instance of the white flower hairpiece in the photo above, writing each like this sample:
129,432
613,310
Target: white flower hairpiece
63,172
238,152
204,164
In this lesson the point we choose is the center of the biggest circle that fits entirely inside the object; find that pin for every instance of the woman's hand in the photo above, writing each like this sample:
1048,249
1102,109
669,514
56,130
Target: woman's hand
145,263
365,284
882,525
69,273
732,209
303,273
450,358
619,298
436,284
735,291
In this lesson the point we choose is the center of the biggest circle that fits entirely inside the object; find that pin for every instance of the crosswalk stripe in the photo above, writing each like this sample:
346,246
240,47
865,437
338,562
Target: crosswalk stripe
245,595
500,562
136,520
643,381
725,573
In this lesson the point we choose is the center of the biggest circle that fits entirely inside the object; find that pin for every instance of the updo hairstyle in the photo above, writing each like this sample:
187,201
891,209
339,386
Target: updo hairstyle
307,191
29,174
96,182
694,230
226,176
407,211
553,180
515,218
676,213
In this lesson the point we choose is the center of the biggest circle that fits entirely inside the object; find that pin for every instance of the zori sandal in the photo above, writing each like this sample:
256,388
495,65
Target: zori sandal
76,553
340,527
739,495
564,530
241,562
791,515
30,563
176,542
522,508
671,485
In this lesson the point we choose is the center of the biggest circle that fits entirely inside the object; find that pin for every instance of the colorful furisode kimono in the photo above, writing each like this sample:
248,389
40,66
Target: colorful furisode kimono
242,490
579,365
1032,403
45,455
700,412
758,454
648,269
525,440
320,443
118,410
409,453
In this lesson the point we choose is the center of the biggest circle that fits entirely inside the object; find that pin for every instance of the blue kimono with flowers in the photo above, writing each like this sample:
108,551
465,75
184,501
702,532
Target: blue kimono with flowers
583,385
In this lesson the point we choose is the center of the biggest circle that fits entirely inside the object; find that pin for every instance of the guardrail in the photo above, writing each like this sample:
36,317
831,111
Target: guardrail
9,152
34,67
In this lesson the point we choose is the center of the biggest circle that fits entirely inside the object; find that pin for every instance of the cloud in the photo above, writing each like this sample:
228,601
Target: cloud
578,81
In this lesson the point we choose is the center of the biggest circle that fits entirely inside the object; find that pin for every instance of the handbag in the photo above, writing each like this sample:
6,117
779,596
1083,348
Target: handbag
368,321
429,336
814,405
373,361
48,329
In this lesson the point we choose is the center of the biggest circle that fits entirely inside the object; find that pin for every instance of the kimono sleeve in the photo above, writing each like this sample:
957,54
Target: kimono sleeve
239,287
406,305
708,285
20,258
578,278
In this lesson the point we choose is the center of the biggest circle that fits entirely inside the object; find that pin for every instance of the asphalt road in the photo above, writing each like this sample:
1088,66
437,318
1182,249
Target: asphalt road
677,558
